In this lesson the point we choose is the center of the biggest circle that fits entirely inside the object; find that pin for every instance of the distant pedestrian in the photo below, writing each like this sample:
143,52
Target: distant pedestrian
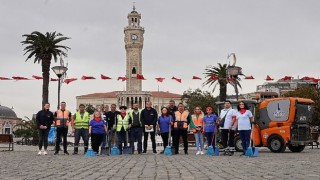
80,128
44,120
164,121
97,130
210,128
244,118
196,126
149,119
62,119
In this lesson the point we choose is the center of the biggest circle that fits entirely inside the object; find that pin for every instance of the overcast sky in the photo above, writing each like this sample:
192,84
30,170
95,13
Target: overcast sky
182,37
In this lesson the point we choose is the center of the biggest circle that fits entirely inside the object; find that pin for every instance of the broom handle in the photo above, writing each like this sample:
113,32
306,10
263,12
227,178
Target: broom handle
169,138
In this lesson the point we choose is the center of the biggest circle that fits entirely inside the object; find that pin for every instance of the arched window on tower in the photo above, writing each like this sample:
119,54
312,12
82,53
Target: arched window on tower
134,71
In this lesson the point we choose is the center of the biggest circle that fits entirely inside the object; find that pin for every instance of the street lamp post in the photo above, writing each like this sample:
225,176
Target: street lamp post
234,71
59,71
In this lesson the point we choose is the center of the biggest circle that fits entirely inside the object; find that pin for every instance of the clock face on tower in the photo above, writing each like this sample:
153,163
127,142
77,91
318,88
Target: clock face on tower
134,37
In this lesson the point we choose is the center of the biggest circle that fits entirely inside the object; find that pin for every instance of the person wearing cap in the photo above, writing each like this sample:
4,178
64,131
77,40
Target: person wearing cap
209,125
123,124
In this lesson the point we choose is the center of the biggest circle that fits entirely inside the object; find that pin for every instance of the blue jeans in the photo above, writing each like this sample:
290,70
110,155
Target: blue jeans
199,141
245,139
77,135
136,136
210,140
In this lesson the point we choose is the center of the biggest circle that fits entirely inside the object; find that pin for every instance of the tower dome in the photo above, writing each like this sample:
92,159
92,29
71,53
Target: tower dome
6,112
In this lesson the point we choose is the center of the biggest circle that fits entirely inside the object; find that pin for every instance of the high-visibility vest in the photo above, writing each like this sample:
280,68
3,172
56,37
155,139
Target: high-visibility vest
62,118
131,116
122,122
197,121
82,122
181,120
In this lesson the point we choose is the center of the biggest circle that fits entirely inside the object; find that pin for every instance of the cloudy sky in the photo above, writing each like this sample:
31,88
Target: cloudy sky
182,37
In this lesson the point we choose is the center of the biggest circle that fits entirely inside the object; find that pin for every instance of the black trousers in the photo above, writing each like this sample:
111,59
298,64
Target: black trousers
96,140
43,138
177,134
61,131
145,140
225,133
165,137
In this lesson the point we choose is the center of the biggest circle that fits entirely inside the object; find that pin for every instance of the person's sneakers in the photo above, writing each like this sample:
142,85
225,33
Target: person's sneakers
56,153
40,153
74,153
161,152
186,152
66,153
139,152
155,151
198,153
201,152
45,152
144,151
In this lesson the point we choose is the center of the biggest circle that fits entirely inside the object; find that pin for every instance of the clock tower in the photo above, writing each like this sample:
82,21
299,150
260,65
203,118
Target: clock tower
133,43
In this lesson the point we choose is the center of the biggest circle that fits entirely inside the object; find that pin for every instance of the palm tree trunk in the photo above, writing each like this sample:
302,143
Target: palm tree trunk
45,62
223,90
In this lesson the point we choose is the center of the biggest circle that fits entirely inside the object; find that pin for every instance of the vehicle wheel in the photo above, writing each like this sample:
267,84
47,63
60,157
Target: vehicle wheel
237,144
296,148
276,144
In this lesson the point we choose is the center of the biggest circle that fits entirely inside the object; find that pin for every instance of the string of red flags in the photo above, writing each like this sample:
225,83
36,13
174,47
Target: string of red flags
158,79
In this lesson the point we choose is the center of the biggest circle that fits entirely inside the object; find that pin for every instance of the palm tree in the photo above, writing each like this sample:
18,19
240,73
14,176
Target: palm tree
219,76
43,47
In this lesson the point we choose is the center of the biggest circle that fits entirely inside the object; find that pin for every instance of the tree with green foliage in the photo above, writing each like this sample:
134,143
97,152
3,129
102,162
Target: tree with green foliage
311,93
199,98
90,109
28,129
44,47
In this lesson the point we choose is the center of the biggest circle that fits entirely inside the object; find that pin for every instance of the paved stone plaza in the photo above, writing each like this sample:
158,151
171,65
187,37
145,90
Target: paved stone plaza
24,163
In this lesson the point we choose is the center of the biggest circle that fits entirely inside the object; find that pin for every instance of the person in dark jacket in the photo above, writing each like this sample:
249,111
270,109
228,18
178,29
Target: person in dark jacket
111,121
149,117
44,120
136,129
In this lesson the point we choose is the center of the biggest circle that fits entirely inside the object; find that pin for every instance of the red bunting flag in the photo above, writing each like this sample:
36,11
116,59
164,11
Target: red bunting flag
196,77
160,79
248,77
230,79
214,77
140,76
87,77
19,78
286,78
37,77
122,78
178,80
310,78
4,78
67,81
54,79
268,78
104,77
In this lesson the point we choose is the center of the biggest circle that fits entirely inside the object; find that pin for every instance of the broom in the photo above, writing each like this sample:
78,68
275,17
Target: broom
249,151
168,150
115,150
127,149
255,150
90,152
216,148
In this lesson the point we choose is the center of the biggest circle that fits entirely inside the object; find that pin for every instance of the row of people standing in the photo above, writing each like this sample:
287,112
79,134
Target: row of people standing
138,122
